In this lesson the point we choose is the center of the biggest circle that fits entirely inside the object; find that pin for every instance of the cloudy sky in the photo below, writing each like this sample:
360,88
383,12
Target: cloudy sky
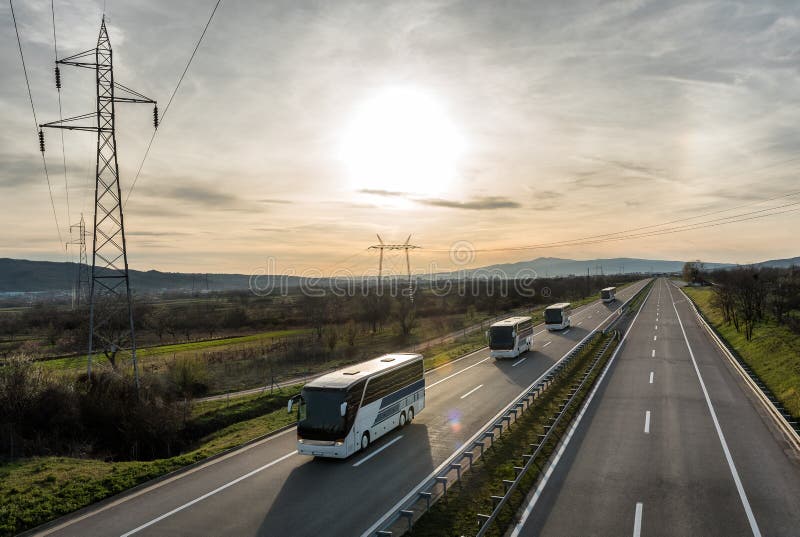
302,129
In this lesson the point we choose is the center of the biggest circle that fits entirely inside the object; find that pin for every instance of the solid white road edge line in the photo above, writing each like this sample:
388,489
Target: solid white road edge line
543,483
739,488
208,494
473,390
386,445
637,520
647,422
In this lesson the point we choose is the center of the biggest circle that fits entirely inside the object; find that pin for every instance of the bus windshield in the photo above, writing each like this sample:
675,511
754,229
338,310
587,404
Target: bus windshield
323,419
553,316
500,337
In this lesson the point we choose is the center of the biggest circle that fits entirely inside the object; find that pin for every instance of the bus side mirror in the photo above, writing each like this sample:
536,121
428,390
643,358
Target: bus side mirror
291,403
487,334
343,409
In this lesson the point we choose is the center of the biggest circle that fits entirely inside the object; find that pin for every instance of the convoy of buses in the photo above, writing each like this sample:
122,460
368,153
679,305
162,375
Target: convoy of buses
343,412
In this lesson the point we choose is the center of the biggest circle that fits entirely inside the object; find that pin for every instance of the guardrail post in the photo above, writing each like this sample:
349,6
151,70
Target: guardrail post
457,467
507,484
409,515
496,499
427,496
480,443
443,481
482,519
469,455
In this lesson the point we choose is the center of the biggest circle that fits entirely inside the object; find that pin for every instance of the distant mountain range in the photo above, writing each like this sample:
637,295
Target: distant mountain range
22,276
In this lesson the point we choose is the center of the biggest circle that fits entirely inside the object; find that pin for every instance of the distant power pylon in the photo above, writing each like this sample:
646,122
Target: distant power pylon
381,246
82,284
111,327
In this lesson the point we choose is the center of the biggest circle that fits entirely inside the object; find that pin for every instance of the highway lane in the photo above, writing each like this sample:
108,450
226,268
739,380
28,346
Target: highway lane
267,489
662,452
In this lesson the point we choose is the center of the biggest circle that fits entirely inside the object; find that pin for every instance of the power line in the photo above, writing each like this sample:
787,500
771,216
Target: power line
60,113
166,108
627,235
36,122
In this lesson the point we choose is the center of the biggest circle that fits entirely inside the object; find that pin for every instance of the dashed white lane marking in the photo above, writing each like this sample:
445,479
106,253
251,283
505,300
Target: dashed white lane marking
368,457
456,373
653,354
475,389
566,331
651,377
546,344
208,494
637,520
656,327
655,338
647,422
515,364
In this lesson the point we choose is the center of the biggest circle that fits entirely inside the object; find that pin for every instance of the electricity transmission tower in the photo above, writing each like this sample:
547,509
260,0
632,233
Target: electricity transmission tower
82,284
381,246
111,326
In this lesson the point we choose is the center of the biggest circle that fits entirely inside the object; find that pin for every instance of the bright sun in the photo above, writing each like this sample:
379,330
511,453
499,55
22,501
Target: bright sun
401,141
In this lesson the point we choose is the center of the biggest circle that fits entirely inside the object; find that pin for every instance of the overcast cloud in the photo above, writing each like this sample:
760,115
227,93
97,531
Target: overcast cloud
579,118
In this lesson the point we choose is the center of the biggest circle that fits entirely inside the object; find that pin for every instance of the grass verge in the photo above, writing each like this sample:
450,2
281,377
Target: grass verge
773,353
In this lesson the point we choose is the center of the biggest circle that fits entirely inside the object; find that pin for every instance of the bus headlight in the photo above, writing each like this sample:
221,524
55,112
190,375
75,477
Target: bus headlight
300,440
339,442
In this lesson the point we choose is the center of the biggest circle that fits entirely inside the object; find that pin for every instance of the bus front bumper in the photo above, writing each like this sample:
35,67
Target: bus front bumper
335,450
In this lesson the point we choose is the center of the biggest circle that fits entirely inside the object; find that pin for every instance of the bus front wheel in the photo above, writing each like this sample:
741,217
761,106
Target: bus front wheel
364,441
402,419
410,414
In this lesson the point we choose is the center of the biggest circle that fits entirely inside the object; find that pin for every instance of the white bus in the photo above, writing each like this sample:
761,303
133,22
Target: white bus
556,317
608,294
345,411
510,337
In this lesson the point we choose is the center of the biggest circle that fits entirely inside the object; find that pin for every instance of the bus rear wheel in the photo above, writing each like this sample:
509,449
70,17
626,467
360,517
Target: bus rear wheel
364,441
410,414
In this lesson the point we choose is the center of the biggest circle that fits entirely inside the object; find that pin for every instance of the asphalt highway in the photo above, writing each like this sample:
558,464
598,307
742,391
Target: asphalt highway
267,489
673,443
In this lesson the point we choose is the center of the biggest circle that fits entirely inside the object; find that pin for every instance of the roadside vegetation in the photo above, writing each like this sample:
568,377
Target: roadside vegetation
756,311
773,351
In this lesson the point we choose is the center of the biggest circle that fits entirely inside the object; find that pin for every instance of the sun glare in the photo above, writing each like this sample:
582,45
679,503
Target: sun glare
401,141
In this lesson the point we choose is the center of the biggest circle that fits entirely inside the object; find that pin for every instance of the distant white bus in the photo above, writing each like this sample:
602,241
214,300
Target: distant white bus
345,411
608,294
510,337
556,317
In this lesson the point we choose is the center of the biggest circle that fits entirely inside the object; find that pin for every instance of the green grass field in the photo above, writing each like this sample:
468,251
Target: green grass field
773,353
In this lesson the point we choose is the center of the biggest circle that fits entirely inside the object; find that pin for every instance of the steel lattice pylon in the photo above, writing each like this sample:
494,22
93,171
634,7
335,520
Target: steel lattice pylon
111,326
82,282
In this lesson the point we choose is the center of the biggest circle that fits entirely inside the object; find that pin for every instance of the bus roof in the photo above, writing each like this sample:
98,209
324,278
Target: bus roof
609,289
511,321
349,375
559,306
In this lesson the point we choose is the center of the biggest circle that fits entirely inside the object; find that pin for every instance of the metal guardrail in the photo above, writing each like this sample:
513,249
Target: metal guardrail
767,397
422,497
529,459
